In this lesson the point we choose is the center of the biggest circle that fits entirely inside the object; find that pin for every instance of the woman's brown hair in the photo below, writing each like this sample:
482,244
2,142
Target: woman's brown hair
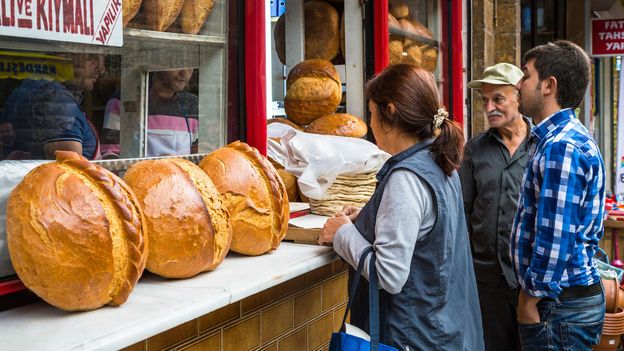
416,101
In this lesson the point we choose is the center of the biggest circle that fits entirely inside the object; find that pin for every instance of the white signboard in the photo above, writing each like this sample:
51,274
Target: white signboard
79,21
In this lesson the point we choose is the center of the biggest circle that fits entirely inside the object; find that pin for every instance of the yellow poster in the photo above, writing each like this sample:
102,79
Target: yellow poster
22,65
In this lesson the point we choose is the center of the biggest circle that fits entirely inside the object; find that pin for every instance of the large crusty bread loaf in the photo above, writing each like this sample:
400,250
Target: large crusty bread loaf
340,124
254,195
193,15
160,14
313,89
76,234
130,9
188,225
321,32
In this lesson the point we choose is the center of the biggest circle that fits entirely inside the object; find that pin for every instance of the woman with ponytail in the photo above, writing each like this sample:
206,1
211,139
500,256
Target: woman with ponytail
414,221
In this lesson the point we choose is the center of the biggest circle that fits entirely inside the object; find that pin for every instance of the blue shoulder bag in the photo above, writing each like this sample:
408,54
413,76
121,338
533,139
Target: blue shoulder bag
342,341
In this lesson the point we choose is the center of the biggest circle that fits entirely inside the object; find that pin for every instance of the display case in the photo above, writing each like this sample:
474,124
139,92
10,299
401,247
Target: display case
159,93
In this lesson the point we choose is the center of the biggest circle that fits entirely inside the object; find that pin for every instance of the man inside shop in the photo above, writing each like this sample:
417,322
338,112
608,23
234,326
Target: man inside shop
491,173
172,121
47,115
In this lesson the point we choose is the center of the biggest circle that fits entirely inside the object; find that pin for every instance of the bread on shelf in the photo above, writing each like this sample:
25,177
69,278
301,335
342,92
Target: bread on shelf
254,195
313,89
76,234
340,124
188,224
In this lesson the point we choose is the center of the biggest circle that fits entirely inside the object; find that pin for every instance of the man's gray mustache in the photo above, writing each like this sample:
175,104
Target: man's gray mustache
494,114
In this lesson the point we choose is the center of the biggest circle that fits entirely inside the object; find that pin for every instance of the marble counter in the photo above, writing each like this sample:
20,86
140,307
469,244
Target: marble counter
156,304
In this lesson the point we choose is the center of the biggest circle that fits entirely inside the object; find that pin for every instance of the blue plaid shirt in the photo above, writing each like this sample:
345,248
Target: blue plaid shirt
559,220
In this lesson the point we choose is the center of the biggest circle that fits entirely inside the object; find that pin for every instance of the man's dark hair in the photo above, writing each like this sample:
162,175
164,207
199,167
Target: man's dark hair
569,64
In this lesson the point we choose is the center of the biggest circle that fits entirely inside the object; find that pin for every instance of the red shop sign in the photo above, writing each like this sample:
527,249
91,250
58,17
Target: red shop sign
607,37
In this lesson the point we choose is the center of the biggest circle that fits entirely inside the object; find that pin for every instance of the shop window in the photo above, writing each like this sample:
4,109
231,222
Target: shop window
541,22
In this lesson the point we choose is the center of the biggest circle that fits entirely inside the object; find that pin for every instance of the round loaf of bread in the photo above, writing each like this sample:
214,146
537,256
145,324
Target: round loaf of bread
322,32
188,224
398,9
313,89
130,9
254,195
193,15
340,124
76,234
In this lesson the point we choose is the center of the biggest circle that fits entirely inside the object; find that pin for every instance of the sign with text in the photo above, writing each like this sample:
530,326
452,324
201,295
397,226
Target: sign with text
79,21
607,37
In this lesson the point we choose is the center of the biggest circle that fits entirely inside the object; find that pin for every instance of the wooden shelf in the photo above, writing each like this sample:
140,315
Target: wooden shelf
614,224
131,33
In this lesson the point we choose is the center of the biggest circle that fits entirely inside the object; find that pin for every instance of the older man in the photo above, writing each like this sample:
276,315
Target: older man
491,174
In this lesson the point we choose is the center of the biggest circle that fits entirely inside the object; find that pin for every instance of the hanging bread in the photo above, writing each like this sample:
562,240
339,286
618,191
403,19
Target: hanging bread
160,14
76,234
254,195
321,32
130,9
340,124
313,89
188,224
193,15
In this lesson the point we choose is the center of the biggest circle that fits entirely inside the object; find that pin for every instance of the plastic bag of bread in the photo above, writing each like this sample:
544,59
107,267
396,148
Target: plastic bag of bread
193,15
254,195
340,124
76,234
130,9
159,14
188,224
321,32
313,89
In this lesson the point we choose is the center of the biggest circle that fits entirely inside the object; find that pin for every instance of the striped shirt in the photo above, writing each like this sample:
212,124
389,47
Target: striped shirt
559,220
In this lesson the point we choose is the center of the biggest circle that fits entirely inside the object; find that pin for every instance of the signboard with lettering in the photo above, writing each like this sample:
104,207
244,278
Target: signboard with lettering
607,37
80,21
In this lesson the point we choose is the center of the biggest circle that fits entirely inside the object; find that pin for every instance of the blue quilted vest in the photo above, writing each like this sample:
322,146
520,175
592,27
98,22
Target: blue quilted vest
438,307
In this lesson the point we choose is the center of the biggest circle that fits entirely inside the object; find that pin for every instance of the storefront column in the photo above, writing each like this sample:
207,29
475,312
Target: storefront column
482,55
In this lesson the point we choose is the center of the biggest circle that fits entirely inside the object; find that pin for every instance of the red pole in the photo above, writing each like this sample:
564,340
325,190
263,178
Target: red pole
255,75
457,89
381,36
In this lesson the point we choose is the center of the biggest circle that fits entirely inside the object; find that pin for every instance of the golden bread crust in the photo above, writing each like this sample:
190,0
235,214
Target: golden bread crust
193,15
254,194
340,124
76,235
187,236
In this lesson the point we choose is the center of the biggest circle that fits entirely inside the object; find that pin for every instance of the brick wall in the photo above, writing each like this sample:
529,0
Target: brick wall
299,314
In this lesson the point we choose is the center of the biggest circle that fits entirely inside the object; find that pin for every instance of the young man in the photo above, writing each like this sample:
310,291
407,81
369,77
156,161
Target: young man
172,123
491,173
559,219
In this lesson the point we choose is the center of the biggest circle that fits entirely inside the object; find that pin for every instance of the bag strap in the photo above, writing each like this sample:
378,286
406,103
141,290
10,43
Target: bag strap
373,296
354,284
373,304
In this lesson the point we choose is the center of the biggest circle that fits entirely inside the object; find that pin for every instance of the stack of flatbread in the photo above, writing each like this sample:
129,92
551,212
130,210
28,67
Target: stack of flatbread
347,190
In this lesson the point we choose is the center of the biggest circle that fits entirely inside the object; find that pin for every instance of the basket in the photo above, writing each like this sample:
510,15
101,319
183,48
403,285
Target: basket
347,190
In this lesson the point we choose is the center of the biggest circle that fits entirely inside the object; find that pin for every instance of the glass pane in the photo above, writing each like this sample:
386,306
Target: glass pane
53,101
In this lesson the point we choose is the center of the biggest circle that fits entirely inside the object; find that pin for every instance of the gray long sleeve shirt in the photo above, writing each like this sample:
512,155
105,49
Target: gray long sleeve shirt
406,213
490,180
